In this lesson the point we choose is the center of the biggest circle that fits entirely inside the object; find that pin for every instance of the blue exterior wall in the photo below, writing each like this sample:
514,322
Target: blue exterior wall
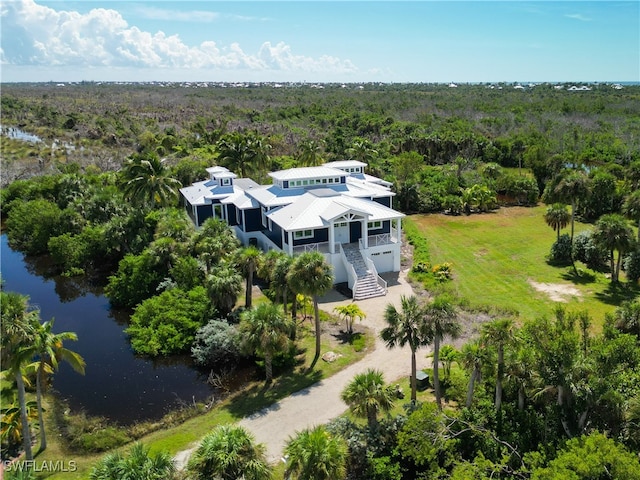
231,215
386,228
320,235
386,201
275,235
204,212
253,220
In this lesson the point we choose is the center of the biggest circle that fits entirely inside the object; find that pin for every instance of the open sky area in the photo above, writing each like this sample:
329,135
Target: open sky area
320,41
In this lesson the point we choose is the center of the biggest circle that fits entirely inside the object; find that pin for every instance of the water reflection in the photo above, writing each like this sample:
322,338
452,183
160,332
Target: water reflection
117,385
18,134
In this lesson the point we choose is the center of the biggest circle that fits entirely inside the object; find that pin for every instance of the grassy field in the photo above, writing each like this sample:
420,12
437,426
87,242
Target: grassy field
496,257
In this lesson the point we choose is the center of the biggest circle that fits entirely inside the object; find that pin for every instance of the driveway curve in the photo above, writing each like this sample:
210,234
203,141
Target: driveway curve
321,402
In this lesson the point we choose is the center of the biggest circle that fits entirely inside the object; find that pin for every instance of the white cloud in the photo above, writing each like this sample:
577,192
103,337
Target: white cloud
578,16
35,35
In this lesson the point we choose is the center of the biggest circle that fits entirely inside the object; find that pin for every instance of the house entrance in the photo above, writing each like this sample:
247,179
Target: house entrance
341,231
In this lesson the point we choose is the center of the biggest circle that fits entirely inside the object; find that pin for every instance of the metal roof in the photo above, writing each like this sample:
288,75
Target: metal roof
303,173
316,211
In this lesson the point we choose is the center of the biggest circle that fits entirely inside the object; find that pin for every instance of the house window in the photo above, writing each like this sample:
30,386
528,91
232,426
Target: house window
226,181
374,225
341,224
217,211
299,235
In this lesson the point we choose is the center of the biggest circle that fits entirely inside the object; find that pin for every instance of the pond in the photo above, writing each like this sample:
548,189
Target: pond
18,134
117,384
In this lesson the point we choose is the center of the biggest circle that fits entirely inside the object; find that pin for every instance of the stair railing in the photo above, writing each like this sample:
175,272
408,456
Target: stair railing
372,268
351,272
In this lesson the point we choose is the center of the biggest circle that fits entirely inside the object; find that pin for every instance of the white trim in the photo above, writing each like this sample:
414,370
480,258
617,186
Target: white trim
303,234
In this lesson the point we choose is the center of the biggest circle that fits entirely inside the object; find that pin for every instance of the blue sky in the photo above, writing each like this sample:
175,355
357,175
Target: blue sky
320,41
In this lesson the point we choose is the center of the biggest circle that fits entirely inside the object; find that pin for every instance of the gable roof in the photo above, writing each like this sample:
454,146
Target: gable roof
318,208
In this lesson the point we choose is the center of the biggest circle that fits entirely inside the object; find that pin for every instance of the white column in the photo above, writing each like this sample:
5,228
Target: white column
282,239
365,234
399,229
290,243
332,238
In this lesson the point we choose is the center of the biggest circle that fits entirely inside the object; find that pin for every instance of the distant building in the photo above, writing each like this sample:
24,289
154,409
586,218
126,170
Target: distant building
336,209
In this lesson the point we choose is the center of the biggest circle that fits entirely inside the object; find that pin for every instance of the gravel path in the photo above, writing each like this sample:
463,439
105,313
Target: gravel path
321,402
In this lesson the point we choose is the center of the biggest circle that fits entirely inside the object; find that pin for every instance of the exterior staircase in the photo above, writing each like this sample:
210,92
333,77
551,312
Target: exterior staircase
367,285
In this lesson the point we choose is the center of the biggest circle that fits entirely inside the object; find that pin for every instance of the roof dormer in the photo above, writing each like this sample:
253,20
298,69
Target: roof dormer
221,176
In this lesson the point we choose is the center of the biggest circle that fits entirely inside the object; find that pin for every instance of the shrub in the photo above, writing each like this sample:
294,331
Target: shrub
588,252
561,251
442,272
217,343
421,267
632,265
167,324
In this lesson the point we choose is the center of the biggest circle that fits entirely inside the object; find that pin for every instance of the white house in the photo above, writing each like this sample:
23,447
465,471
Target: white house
335,209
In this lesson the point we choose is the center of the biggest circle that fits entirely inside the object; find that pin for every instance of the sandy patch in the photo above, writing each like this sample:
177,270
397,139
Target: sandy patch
558,292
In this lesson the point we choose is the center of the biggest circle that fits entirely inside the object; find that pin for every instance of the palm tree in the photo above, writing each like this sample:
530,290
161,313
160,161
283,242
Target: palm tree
249,259
472,356
229,452
274,269
243,152
17,337
441,321
406,327
214,242
315,454
311,275
366,395
631,209
310,152
499,333
48,346
350,313
573,187
224,286
557,217
361,149
136,465
613,233
146,182
265,330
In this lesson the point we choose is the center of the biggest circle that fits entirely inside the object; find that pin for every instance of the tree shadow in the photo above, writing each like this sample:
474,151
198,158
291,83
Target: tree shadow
616,293
579,276
345,338
259,396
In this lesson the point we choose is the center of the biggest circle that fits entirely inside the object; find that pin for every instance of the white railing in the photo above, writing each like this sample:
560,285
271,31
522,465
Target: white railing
351,272
380,239
372,268
322,247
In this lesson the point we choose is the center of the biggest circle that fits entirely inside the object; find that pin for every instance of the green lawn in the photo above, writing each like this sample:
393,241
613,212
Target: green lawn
497,255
